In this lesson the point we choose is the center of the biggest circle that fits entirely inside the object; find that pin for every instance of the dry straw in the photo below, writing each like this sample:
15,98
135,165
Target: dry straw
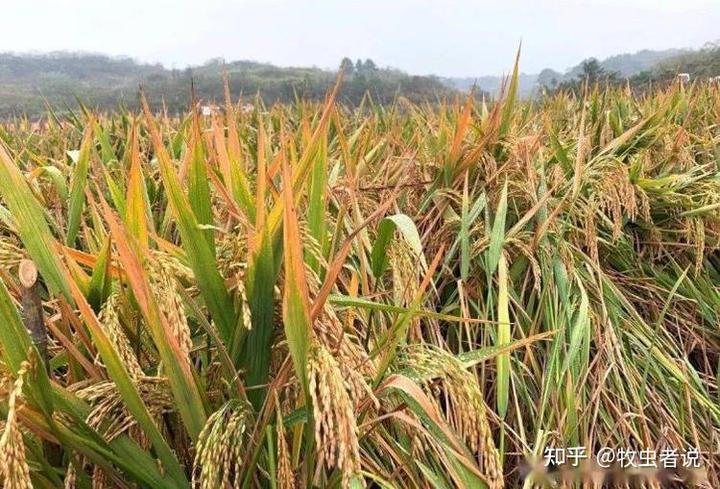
10,254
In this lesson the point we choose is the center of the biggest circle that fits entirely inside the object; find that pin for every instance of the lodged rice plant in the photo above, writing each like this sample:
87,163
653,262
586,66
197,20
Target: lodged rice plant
405,296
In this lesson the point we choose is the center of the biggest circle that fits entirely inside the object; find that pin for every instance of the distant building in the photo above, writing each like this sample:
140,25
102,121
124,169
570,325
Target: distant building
246,108
683,77
208,110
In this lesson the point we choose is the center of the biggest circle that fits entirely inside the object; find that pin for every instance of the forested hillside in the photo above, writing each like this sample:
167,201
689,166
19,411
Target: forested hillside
29,83
704,63
640,66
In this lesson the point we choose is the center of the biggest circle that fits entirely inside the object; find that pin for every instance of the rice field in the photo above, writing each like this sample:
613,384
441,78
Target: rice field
399,296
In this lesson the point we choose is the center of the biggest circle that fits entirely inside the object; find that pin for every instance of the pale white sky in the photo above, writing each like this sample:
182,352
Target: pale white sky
444,37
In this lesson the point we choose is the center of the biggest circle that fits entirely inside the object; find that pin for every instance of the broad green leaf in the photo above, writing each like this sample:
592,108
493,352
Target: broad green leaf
128,390
317,202
497,236
56,177
579,334
260,284
199,190
177,367
136,214
77,189
459,462
29,218
509,101
503,338
100,281
386,230
200,254
296,300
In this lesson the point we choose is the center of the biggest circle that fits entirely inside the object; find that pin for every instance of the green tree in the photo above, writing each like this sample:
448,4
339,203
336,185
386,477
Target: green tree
591,70
549,78
346,66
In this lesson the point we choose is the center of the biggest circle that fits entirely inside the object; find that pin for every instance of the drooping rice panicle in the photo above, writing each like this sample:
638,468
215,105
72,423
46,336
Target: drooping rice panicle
220,448
14,470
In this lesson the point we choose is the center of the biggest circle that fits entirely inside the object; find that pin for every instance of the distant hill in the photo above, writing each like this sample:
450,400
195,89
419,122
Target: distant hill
702,63
31,82
492,84
28,83
625,65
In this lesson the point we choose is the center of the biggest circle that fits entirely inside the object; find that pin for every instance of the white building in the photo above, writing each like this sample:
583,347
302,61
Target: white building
208,110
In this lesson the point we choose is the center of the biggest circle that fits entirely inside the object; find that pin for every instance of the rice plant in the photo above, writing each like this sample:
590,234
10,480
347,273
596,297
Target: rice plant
403,296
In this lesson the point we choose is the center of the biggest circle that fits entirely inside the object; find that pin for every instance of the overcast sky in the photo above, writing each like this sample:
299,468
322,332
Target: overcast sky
444,37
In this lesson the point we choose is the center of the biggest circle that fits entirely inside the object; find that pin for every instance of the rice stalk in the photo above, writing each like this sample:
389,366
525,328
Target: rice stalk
198,264
220,448
163,270
336,432
285,476
110,320
14,470
467,411
109,414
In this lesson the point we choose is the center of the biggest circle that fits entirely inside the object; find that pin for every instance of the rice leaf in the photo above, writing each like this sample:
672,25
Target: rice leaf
296,303
29,218
77,189
199,251
503,338
497,235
